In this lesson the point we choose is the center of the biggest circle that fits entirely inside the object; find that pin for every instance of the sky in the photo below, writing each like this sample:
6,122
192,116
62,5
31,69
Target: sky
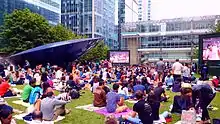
166,9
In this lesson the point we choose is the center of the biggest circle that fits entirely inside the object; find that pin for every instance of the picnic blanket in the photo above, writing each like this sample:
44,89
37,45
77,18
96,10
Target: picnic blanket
103,111
131,101
89,107
17,96
20,117
17,90
20,102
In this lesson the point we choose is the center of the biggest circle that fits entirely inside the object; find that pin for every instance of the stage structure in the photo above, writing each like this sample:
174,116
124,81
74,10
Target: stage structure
58,53
209,52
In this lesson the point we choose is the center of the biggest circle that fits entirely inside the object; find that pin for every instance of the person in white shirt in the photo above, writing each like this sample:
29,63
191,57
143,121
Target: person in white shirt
104,75
59,74
123,90
177,69
186,73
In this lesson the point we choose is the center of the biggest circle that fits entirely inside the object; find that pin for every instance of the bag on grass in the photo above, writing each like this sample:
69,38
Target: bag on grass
74,94
188,117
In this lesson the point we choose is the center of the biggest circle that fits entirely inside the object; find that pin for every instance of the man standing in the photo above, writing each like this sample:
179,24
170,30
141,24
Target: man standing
160,66
177,69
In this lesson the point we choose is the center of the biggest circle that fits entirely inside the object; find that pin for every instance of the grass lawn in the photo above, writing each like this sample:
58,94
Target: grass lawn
78,116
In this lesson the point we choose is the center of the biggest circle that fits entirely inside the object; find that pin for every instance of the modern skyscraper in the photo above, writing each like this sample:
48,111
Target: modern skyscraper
93,18
129,11
50,9
144,10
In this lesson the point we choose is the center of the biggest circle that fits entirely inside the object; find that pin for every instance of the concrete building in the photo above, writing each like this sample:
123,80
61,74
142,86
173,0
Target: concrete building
93,18
144,10
167,38
50,9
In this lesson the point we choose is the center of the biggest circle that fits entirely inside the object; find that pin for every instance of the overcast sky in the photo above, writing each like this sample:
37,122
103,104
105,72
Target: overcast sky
165,9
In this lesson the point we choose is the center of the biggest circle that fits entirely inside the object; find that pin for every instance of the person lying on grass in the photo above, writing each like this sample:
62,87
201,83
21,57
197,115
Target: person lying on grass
115,103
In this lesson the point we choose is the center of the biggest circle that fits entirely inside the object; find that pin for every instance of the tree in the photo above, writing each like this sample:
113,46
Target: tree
196,53
61,33
99,52
217,28
23,30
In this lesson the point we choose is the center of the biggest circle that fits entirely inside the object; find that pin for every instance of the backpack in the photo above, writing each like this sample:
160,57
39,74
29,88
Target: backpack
74,94
147,107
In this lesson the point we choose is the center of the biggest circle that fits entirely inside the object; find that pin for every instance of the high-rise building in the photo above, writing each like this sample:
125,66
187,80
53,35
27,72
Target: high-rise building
143,10
50,9
129,12
93,18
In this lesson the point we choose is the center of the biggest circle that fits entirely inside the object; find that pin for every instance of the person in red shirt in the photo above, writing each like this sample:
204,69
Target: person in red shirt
215,81
5,90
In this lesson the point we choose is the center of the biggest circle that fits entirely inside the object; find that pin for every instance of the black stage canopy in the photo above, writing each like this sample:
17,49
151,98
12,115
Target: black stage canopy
55,53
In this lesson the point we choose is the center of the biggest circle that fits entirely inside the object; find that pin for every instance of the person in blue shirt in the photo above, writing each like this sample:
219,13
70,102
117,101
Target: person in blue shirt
35,94
115,103
140,87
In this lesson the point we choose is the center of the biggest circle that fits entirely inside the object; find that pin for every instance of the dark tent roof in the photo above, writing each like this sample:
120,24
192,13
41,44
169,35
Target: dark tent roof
55,53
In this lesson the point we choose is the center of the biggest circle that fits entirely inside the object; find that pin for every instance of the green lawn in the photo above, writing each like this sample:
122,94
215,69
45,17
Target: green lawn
78,116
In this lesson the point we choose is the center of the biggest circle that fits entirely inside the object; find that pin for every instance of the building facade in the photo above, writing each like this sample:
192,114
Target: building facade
144,10
129,11
169,38
50,9
93,18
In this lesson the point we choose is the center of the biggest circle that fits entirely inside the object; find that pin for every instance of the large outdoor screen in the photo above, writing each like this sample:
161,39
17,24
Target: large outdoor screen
119,57
211,48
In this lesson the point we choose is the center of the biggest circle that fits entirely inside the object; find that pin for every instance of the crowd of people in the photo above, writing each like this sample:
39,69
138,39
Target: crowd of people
146,84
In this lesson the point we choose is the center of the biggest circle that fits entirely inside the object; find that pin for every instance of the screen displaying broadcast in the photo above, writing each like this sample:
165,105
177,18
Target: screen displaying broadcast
211,48
119,57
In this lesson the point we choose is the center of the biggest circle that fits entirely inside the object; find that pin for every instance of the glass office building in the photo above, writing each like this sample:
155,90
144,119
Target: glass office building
93,18
167,38
50,9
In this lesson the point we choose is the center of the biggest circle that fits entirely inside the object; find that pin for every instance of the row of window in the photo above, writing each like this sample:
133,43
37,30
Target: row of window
11,5
52,3
174,26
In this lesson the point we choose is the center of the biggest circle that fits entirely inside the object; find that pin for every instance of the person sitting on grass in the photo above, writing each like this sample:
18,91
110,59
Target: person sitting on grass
114,100
158,91
142,112
123,90
181,102
36,93
111,120
169,81
27,90
37,117
5,88
99,96
6,116
48,105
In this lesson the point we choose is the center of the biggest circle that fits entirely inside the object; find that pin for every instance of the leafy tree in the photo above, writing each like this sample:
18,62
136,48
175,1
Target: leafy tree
23,30
99,52
61,33
217,28
196,53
